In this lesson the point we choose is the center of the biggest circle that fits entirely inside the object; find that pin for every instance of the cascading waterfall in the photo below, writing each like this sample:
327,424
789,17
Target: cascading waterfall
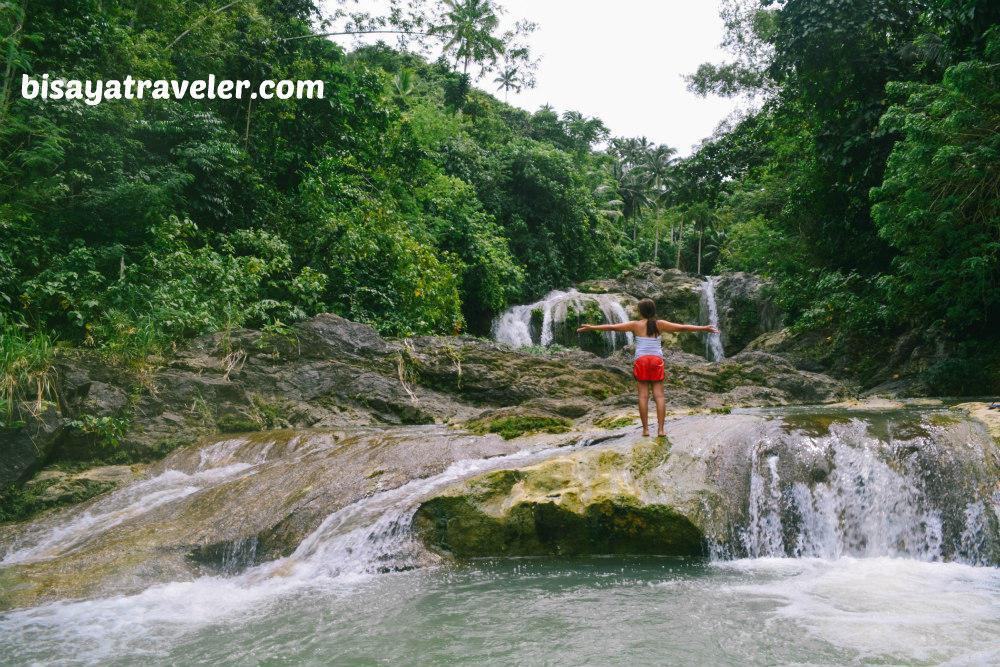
838,572
865,507
537,323
710,315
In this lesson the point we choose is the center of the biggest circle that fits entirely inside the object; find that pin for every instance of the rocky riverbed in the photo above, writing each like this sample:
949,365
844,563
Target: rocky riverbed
329,372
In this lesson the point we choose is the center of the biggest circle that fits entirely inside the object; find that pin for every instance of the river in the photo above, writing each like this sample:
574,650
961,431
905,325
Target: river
358,591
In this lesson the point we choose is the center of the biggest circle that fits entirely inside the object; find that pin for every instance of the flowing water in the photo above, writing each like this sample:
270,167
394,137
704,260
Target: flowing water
541,323
868,582
710,315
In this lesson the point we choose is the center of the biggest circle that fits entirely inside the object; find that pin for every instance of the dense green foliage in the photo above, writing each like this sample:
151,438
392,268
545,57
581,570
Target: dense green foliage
405,198
864,182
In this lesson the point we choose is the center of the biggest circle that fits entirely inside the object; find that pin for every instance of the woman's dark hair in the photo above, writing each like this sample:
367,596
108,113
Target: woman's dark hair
648,310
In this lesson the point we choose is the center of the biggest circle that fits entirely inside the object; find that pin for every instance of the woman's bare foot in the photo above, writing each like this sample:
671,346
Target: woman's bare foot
645,432
661,434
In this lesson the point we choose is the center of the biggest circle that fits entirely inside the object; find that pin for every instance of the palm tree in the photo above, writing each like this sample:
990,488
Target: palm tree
657,164
704,217
468,29
714,241
402,84
633,191
508,79
606,193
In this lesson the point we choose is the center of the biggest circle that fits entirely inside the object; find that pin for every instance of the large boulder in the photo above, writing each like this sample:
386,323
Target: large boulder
745,310
594,501
27,446
677,296
829,482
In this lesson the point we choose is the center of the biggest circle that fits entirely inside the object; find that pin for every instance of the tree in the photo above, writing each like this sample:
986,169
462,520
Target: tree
749,35
584,132
834,60
657,164
703,218
468,32
403,84
536,194
938,205
508,79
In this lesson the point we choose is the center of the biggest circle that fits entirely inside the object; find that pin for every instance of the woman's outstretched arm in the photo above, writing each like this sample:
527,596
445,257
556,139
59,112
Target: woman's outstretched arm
664,325
621,326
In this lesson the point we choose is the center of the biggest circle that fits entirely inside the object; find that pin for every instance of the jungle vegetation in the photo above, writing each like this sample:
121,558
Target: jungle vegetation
863,179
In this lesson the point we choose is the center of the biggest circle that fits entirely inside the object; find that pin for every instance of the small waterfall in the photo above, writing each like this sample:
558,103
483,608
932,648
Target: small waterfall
544,322
870,504
710,315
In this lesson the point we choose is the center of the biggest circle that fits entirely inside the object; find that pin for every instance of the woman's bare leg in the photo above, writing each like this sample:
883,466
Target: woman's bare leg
644,406
661,407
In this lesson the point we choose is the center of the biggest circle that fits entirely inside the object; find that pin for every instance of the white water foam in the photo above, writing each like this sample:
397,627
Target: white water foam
885,610
84,525
865,508
710,315
349,548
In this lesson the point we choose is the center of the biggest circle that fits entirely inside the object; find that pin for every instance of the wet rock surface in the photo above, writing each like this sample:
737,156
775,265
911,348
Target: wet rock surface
219,507
858,478
328,372
800,482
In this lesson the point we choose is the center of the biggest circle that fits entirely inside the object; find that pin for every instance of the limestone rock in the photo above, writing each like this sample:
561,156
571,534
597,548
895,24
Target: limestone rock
261,495
677,296
26,447
594,501
745,311
59,486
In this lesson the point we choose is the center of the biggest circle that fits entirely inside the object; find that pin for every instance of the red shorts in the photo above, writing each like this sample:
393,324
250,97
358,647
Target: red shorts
648,368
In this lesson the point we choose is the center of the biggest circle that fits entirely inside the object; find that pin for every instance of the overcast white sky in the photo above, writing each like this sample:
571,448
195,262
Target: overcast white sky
622,62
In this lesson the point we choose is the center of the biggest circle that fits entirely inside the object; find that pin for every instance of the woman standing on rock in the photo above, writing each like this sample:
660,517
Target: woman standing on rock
648,367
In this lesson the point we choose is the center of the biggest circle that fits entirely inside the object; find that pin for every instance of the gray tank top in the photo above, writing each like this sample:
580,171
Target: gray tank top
647,346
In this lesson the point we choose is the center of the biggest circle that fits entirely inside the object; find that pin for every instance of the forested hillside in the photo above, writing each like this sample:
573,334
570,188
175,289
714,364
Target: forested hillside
864,183
868,183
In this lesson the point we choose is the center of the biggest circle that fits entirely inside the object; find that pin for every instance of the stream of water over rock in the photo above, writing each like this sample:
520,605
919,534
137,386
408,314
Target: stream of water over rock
853,547
710,315
555,318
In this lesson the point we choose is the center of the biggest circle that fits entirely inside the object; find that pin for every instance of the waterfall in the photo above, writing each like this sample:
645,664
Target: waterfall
541,323
710,315
870,504
854,525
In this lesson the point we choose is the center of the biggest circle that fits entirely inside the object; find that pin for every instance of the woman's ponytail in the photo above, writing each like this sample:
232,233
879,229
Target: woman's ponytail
648,310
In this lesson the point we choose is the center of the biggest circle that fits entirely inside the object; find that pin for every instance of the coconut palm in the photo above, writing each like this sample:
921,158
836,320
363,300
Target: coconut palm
633,191
468,29
704,217
403,84
508,79
657,163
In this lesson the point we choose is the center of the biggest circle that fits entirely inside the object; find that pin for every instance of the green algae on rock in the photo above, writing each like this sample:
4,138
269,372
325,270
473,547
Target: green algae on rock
591,501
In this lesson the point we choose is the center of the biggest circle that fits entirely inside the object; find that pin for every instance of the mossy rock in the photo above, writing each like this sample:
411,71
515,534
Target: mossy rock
512,426
235,423
614,526
601,500
613,423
